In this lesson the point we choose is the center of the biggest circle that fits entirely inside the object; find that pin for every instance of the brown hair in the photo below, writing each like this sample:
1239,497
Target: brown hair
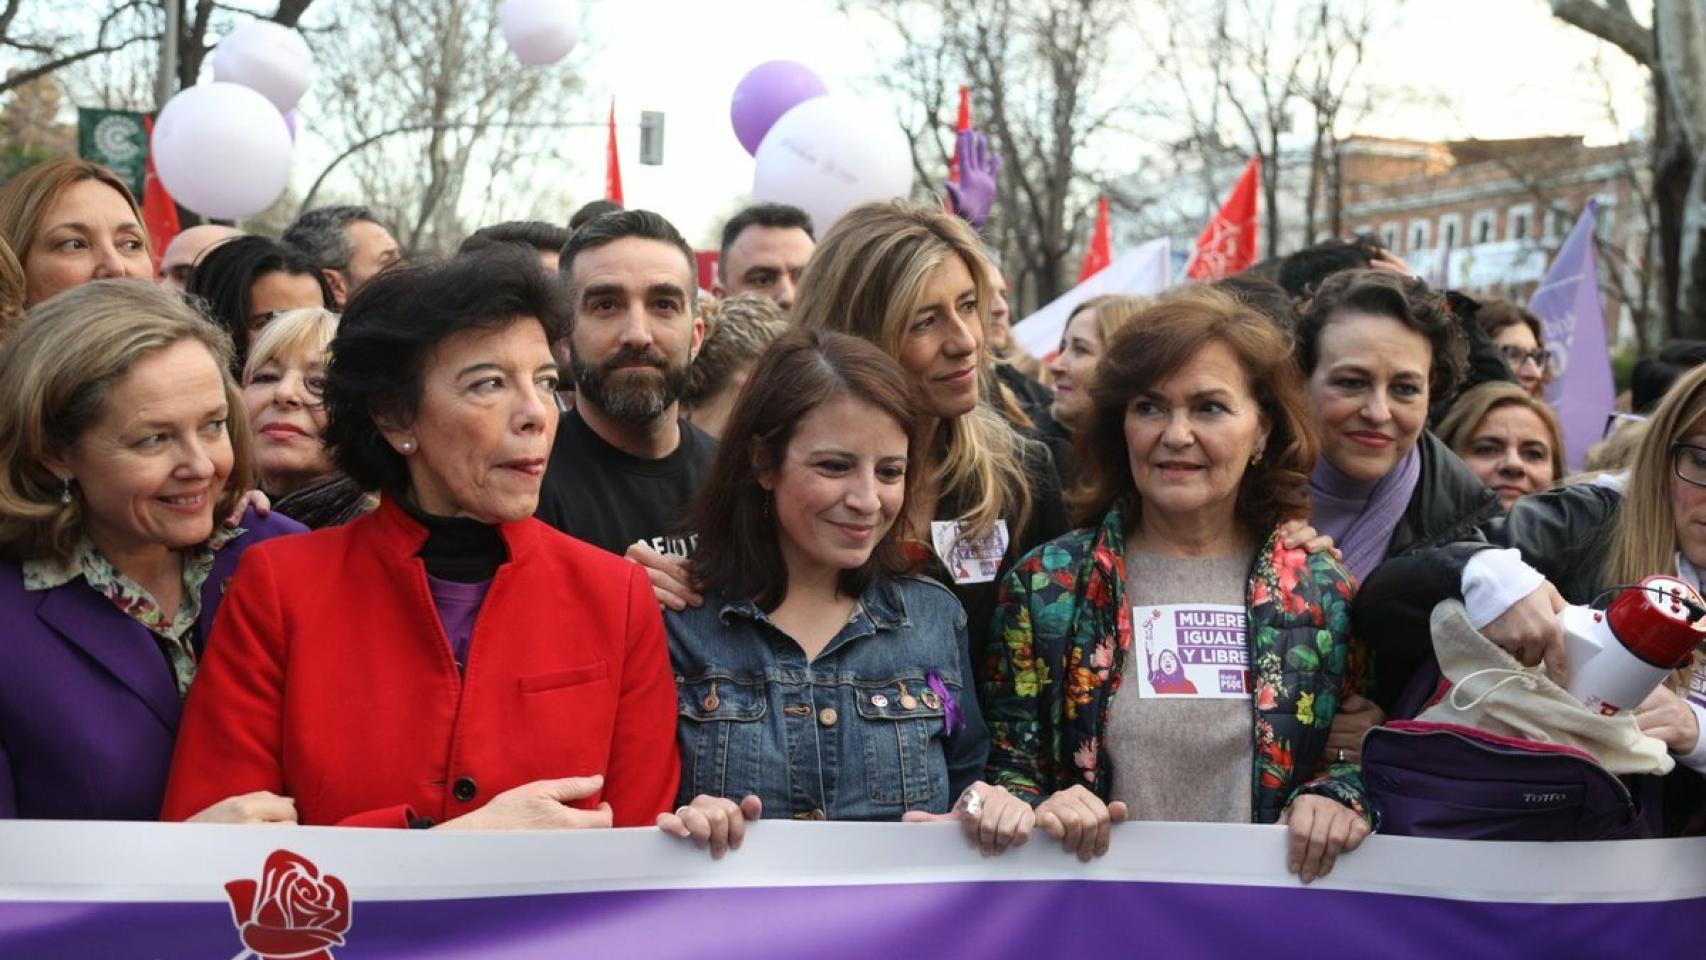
1113,312
55,375
1382,294
738,553
1458,426
12,286
1495,315
24,199
1164,338
737,329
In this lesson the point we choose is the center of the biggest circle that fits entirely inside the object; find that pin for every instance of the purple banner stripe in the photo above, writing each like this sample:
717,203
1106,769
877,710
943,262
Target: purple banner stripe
1083,920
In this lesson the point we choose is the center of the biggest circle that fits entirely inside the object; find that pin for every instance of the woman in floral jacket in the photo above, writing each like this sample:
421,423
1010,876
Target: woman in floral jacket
1176,661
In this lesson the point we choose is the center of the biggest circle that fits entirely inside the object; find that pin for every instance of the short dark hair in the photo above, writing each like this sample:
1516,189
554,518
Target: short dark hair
620,225
739,554
537,234
1150,349
224,279
592,211
323,234
775,215
394,321
1653,375
1404,299
1303,270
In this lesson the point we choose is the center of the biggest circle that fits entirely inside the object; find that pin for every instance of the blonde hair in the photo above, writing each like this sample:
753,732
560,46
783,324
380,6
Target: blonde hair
308,331
1458,426
1643,535
11,290
24,199
1113,312
866,278
55,376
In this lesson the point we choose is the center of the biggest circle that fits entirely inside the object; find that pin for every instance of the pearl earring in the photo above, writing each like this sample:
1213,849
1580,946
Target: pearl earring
408,447
65,490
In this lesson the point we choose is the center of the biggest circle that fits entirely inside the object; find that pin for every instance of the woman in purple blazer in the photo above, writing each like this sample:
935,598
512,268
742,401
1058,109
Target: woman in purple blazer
122,441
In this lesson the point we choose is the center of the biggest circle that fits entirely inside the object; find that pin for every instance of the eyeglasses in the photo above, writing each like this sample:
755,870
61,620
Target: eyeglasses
1689,462
1516,355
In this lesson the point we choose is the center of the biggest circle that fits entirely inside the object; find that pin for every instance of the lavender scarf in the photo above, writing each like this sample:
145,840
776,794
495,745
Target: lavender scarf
1360,515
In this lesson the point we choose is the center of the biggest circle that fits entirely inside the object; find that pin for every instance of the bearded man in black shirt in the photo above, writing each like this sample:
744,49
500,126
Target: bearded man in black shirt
624,464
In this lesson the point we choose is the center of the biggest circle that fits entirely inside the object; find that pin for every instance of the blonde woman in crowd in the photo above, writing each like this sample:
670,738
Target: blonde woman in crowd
1507,438
70,221
914,281
284,387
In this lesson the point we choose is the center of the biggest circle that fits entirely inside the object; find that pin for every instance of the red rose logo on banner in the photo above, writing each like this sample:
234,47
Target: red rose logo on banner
293,913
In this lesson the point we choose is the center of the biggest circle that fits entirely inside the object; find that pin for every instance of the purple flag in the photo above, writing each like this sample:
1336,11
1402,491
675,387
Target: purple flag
1568,303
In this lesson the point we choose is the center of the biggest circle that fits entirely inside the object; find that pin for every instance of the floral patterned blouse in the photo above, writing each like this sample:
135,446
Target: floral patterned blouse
176,633
1061,637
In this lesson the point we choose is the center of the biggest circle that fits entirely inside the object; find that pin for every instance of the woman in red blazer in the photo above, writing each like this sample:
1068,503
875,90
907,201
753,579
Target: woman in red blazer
446,660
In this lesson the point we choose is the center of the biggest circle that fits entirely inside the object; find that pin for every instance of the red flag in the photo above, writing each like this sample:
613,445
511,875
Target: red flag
1101,252
612,166
960,126
1228,244
159,211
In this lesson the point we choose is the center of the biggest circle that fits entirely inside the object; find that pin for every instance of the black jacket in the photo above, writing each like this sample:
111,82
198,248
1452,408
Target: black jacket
1450,506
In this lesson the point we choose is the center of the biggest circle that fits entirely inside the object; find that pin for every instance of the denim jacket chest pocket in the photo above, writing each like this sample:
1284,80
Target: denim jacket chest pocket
721,734
902,723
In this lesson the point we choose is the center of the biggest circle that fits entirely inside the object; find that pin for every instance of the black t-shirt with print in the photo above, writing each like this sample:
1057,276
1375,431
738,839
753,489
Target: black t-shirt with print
597,493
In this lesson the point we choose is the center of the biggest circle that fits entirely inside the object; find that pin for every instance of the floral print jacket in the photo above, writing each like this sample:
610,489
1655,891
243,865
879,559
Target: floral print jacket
1062,635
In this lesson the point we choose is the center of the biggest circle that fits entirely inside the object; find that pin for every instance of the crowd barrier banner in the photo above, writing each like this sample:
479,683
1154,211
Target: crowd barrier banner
858,891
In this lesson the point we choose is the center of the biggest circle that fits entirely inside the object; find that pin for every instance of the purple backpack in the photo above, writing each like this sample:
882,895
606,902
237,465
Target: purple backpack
1453,782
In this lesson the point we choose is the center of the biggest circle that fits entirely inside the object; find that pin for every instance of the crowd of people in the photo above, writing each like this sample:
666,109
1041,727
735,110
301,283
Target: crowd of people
542,535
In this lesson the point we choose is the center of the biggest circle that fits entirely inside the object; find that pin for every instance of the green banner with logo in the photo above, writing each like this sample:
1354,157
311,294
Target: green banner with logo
117,139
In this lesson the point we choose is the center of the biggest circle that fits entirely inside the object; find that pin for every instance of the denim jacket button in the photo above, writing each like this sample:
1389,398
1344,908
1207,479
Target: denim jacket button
931,700
710,702
909,702
827,716
878,700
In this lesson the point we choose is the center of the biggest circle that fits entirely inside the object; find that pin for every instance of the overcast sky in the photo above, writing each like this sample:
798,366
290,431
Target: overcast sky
1485,68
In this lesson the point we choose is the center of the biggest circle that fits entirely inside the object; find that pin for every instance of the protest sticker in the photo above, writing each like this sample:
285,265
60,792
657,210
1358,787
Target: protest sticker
969,559
1193,651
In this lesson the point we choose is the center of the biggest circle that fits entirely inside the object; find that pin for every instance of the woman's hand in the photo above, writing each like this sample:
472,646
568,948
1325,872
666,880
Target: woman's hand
1080,820
1668,717
540,805
254,498
1318,830
1299,533
259,807
671,577
994,820
1531,632
713,822
1356,716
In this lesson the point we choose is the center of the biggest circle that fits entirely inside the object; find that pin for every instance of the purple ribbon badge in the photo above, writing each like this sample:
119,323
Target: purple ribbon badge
955,717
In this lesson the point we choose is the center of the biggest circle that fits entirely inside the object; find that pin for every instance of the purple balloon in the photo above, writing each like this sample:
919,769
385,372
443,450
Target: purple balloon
765,93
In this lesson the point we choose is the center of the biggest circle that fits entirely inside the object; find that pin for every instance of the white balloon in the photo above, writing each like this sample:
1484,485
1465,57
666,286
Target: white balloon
829,154
267,58
538,31
222,150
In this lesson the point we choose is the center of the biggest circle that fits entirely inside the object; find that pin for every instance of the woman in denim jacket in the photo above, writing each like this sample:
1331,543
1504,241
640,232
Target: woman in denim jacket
818,681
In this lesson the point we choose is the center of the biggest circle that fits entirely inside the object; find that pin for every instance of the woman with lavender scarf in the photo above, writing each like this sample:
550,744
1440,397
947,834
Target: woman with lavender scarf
1375,347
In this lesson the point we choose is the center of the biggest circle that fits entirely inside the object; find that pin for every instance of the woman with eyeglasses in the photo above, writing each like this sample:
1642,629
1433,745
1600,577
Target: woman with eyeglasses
247,282
283,388
1515,332
1580,540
